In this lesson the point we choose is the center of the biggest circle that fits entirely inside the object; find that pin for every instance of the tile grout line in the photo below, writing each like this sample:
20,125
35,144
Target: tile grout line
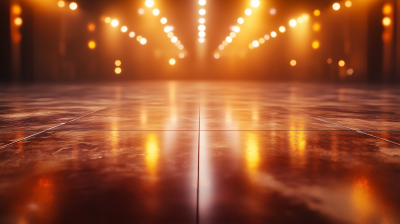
198,172
352,129
30,136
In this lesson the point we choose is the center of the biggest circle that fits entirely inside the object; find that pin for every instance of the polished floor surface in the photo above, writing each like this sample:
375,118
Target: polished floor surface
200,152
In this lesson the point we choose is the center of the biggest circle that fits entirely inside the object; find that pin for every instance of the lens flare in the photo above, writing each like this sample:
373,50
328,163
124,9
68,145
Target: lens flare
336,6
149,3
118,71
156,12
292,23
228,39
143,41
114,23
124,29
202,2
163,20
341,63
255,43
73,6
240,20
202,12
172,61
248,12
255,3
282,29
181,55
216,56
202,21
92,44
317,12
293,62
201,40
273,34
202,27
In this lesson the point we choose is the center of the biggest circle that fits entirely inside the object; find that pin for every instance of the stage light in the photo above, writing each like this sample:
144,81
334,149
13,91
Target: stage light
172,61
202,2
107,20
300,20
316,27
261,40
170,34
348,4
202,27
293,62
124,29
216,56
329,60
149,3
292,23
180,47
202,21
73,6
282,29
255,3
61,4
228,39
336,6
272,11
18,21
221,47
156,12
266,37
232,34
386,21
141,11
273,34
202,12
341,63
118,63
236,29
143,41
317,12
163,20
315,44
174,39
92,44
132,34
350,71
114,23
202,34
387,9
255,43
201,39
181,55
248,12
118,71
240,20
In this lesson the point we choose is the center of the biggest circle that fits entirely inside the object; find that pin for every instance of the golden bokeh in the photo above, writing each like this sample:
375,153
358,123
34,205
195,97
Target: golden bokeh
315,44
317,12
92,44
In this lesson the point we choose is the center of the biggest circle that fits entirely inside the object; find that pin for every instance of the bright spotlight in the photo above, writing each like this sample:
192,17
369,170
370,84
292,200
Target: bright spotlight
73,6
118,63
132,34
315,44
282,29
181,55
114,23
272,11
255,3
248,12
292,23
341,63
202,12
149,3
141,11
156,12
202,2
266,37
143,41
236,29
163,20
317,12
61,4
172,61
221,47
118,71
293,62
216,56
240,20
124,29
255,43
201,39
386,21
348,5
180,47
228,39
174,39
202,21
202,34
92,44
336,6
202,27
273,34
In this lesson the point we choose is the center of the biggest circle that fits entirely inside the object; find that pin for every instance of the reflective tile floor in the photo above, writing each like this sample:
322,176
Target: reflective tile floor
200,152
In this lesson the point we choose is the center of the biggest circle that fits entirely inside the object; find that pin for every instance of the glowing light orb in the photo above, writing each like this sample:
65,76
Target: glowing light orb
202,27
255,43
342,63
293,62
118,63
387,9
202,2
315,44
73,6
163,20
282,29
329,60
118,71
174,39
261,40
248,12
350,71
156,12
221,47
114,23
170,34
300,20
201,39
232,34
202,34
266,37
168,29
316,27
272,11
180,47
292,23
149,3
216,56
202,21
336,6
273,34
107,20
348,4
141,11
240,20
172,61
317,12
386,21
61,4
92,45
143,41
236,29
124,29
132,34
91,27
18,21
181,55
255,3
202,12
228,39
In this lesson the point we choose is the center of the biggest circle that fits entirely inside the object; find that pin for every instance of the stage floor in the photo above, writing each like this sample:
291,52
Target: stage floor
200,152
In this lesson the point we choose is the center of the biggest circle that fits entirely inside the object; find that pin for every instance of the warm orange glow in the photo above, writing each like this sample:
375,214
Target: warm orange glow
255,43
73,6
261,40
138,38
202,20
272,11
180,47
201,39
232,34
174,39
92,44
255,3
168,29
293,62
341,63
141,11
61,4
317,12
18,21
305,17
181,55
216,55
221,47
170,34
228,39
282,29
16,9
156,12
163,20
292,23
202,12
114,23
273,34
236,29
224,43
149,3
315,44
248,12
350,71
387,9
386,21
143,41
118,63
240,20
172,61
202,27
91,27
124,29
202,34
300,20
316,27
348,4
329,61
202,2
118,71
132,34
107,20
336,6
251,46
266,37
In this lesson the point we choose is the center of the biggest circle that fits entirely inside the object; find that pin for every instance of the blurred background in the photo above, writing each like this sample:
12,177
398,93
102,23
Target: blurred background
281,40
